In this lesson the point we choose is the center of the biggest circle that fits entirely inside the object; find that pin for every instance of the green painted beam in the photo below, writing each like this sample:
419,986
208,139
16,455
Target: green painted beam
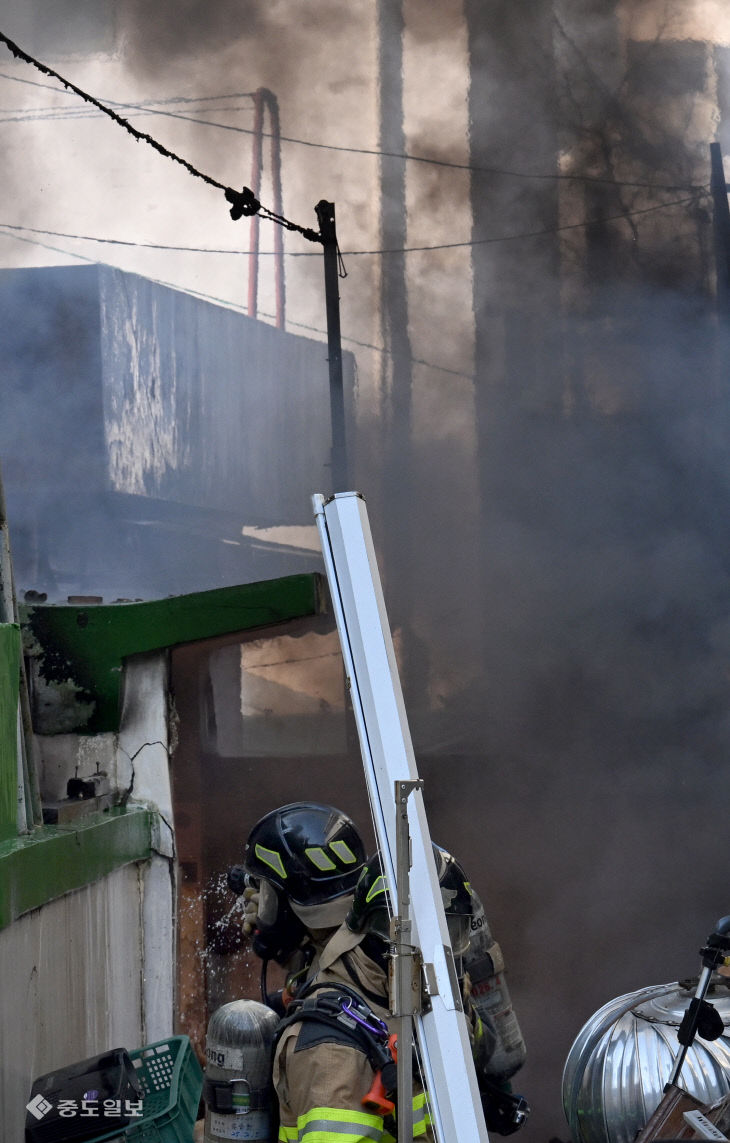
9,686
58,859
85,645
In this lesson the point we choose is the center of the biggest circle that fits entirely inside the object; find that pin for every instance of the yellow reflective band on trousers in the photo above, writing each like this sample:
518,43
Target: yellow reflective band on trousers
421,1119
335,1125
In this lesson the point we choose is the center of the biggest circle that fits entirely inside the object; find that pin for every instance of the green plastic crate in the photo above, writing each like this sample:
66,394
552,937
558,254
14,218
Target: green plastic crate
172,1081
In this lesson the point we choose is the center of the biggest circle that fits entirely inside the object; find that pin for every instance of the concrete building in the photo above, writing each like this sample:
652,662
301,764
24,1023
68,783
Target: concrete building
154,443
98,861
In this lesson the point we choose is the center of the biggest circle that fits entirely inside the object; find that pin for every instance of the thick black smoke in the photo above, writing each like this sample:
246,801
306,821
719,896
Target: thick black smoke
552,517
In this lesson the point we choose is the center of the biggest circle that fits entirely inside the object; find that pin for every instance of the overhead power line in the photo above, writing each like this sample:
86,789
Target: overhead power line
7,226
61,114
144,108
139,103
242,202
149,105
243,309
702,192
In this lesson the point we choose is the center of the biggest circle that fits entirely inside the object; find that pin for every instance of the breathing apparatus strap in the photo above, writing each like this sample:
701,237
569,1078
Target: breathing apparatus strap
328,1008
231,1097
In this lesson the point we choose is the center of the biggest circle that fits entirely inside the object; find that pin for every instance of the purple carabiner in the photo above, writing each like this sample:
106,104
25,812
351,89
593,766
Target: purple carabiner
380,1030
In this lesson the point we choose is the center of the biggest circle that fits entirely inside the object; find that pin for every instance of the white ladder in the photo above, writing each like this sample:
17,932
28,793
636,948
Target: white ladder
387,751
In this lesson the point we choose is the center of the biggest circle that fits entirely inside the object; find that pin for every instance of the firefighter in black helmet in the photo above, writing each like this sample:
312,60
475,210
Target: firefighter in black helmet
301,864
370,912
320,1072
325,1066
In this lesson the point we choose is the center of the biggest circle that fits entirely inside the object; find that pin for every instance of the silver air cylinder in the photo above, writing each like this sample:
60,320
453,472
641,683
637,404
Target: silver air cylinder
616,1070
237,1091
490,996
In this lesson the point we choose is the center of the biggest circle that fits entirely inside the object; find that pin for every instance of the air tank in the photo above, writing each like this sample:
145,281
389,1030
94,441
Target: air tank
618,1065
490,996
237,1088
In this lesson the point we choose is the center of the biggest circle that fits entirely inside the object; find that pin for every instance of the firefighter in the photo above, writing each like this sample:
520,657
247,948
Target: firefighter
301,864
327,1070
325,1073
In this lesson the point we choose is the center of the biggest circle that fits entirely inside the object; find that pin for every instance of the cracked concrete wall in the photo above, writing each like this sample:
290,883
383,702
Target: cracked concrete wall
137,763
65,756
142,772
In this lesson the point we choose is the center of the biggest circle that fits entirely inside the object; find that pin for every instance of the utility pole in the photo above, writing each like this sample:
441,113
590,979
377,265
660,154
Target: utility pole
325,212
721,227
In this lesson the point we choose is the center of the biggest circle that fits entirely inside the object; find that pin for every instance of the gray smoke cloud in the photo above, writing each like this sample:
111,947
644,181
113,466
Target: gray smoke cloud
553,533
155,40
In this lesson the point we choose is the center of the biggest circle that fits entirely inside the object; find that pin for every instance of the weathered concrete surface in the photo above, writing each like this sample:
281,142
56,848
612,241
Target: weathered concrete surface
72,986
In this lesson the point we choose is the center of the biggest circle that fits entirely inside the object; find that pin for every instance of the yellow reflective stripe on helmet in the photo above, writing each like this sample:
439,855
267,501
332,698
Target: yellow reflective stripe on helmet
333,1125
271,858
379,885
342,850
320,860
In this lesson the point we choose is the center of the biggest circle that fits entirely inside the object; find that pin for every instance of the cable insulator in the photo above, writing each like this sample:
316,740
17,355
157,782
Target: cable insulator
244,202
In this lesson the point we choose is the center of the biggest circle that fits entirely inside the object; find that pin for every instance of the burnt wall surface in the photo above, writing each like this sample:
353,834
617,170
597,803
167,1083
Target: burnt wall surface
142,427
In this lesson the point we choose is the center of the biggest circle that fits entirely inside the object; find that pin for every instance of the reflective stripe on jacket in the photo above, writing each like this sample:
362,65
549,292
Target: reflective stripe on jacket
332,1124
320,1083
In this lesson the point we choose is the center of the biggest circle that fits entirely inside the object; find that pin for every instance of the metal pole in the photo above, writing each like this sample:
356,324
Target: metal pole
721,226
713,955
700,992
279,284
404,1007
253,258
326,216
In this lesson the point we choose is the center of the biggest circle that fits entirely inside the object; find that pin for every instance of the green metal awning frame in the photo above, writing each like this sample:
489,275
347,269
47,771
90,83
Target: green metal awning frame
85,644
54,860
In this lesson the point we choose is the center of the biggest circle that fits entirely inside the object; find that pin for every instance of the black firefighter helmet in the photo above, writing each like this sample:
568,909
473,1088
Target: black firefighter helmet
372,908
311,852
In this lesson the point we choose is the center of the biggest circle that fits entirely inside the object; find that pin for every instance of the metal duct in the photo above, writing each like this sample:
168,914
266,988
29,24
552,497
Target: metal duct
618,1065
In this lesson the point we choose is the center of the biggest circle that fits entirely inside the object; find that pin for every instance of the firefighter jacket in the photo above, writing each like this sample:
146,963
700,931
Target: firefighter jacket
321,1076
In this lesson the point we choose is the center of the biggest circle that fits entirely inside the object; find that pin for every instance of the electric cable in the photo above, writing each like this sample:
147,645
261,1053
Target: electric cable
695,198
242,202
13,232
142,103
149,105
237,306
705,192
405,155
136,245
73,114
